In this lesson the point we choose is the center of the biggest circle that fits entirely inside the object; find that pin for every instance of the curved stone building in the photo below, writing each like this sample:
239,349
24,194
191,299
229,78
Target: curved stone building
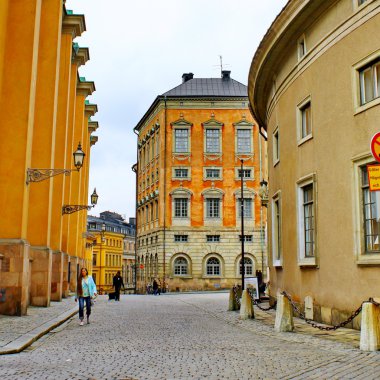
314,87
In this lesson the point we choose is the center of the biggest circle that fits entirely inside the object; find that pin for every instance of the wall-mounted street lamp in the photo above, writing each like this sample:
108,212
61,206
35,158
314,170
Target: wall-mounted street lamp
264,193
69,209
38,175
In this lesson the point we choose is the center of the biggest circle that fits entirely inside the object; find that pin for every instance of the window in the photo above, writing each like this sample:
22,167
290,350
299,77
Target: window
369,77
212,173
301,47
370,202
180,208
247,173
212,140
276,146
306,220
181,173
247,207
181,140
180,238
244,141
247,238
94,259
180,266
360,2
248,267
213,267
212,210
213,238
305,114
276,230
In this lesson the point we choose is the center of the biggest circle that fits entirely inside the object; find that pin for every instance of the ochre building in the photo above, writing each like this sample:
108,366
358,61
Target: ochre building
191,142
314,85
43,117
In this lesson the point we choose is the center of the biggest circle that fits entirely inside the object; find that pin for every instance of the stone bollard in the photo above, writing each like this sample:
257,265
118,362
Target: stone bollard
246,308
232,306
370,327
284,315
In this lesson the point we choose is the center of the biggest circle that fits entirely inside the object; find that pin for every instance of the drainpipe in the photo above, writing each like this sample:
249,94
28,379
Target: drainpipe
261,210
136,225
164,243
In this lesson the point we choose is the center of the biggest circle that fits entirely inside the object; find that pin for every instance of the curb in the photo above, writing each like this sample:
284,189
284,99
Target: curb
29,338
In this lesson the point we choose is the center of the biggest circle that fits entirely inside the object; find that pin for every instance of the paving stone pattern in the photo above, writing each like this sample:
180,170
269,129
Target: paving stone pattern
189,336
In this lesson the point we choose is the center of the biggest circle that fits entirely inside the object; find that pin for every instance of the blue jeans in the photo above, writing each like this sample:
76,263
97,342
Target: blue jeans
81,306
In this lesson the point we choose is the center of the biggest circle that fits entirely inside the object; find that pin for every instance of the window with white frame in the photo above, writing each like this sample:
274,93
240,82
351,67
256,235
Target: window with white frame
304,119
213,267
246,173
213,238
181,207
212,207
276,146
181,137
306,221
301,47
180,266
213,140
247,238
212,173
248,267
276,230
247,207
181,238
369,77
244,141
181,172
371,215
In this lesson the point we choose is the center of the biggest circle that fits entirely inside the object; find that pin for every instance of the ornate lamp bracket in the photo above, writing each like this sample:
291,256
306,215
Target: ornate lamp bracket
38,175
69,209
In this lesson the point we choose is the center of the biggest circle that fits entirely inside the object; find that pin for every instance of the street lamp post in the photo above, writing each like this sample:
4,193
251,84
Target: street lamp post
242,224
102,239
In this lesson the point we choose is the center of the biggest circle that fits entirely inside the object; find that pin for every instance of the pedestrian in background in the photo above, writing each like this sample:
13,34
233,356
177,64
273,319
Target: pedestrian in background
155,287
86,289
117,284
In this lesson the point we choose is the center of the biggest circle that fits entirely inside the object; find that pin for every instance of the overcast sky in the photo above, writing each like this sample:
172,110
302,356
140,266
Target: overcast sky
139,49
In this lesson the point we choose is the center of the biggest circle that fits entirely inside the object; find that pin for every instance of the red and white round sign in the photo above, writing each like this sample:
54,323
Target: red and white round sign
375,146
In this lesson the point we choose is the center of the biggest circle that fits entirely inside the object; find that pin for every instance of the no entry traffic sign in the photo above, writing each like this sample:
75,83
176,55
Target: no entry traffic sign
375,146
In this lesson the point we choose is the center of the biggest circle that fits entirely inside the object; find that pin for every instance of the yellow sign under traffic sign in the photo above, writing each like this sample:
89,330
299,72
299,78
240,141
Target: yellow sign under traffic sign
373,177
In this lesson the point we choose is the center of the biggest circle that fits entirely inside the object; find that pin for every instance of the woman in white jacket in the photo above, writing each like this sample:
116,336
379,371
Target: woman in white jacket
86,289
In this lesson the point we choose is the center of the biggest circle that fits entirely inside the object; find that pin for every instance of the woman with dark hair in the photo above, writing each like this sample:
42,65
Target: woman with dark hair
86,289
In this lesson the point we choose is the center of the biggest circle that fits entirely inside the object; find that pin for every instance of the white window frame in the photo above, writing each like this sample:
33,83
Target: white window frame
213,193
276,146
186,194
239,266
178,125
301,184
247,194
356,79
219,130
187,178
220,176
277,230
300,120
181,266
244,125
362,257
250,168
213,275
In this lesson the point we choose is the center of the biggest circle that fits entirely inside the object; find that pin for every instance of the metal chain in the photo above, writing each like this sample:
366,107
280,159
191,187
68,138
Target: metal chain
250,292
237,298
326,328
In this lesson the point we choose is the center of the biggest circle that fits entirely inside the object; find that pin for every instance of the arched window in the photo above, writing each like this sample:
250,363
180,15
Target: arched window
213,267
248,267
180,266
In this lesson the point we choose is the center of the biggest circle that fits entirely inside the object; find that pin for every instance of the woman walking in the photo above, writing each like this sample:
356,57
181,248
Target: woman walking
86,289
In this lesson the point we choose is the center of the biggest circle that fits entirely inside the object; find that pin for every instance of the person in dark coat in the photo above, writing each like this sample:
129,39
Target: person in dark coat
155,287
117,284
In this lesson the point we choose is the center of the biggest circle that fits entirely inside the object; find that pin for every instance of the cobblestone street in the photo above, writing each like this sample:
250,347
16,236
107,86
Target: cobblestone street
189,336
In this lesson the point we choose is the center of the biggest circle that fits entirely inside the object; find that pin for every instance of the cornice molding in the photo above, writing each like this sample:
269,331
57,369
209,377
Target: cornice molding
92,126
85,88
93,140
90,109
73,24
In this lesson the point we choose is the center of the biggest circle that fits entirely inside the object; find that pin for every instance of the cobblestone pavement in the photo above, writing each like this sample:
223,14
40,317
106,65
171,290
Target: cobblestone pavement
184,337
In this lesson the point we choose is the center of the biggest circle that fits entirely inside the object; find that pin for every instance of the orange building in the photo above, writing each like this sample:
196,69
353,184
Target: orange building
190,145
43,118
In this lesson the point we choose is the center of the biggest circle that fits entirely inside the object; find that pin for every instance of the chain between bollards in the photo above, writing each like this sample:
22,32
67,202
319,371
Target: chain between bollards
250,292
326,328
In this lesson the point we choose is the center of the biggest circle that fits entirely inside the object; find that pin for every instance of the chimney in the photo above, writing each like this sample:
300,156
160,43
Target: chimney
186,77
226,74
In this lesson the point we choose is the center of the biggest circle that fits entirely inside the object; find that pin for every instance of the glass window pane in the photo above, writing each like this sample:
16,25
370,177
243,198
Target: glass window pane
181,140
244,141
212,140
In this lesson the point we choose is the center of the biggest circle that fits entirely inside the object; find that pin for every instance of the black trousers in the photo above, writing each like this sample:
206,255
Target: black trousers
117,293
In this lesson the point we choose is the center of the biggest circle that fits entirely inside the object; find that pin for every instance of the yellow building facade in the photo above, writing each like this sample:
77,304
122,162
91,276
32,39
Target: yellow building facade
191,143
43,118
314,86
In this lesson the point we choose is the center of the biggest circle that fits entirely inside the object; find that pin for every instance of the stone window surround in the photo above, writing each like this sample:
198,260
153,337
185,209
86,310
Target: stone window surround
362,258
204,265
251,178
244,124
300,108
213,124
247,193
301,183
220,178
276,146
247,255
276,241
213,193
189,265
301,47
188,178
181,193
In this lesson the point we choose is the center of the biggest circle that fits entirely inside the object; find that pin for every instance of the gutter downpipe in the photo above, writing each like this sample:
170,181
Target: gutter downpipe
164,242
261,209
136,226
